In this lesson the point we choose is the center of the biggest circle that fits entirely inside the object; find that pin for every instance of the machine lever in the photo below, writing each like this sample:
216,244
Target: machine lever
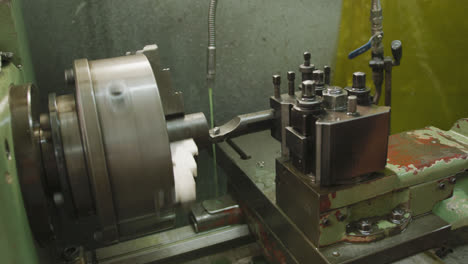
353,54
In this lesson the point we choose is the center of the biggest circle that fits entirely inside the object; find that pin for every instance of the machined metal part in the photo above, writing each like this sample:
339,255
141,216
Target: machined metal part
24,110
334,98
283,240
358,143
243,124
359,89
291,84
94,152
120,108
306,68
189,126
64,197
172,101
327,71
69,154
319,77
276,86
300,135
215,213
162,246
352,105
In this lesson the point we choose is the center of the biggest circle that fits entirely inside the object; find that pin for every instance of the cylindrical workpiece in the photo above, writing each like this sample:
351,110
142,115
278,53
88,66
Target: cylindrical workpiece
189,126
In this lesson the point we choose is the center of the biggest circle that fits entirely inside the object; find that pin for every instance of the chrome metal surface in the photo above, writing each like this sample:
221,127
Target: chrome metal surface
189,126
24,103
77,175
94,151
164,245
243,124
172,101
334,98
134,139
65,191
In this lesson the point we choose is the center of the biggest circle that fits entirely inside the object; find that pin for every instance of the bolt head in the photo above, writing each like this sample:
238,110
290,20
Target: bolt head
398,214
365,226
442,186
308,88
335,98
291,75
325,221
453,180
216,130
276,79
341,217
318,76
359,80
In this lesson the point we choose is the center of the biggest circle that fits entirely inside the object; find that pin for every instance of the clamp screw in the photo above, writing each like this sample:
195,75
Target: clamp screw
453,180
291,78
365,226
308,89
341,217
326,221
397,214
327,71
276,85
359,80
442,186
307,57
352,104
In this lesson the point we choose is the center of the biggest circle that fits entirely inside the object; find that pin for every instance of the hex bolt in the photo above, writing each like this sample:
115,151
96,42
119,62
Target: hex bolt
365,226
291,78
71,253
276,85
340,217
325,221
327,71
359,80
69,76
216,130
319,77
397,214
352,104
453,180
442,186
308,89
306,68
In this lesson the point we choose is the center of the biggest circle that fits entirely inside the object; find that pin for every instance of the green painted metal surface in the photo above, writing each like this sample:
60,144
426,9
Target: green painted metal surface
16,241
429,85
455,209
13,37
